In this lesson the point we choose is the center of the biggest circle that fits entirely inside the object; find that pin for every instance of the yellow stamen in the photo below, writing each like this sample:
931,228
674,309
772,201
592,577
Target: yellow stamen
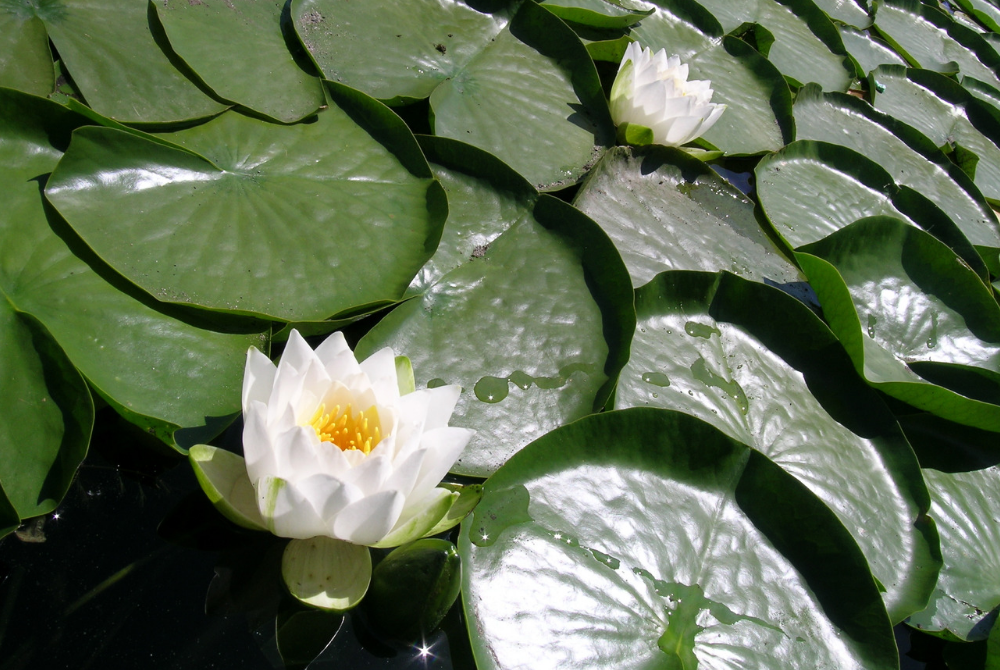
346,429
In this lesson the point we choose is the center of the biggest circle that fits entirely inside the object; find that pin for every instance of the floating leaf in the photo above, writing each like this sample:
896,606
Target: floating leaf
944,112
762,368
543,278
25,58
667,211
243,53
918,323
966,506
164,373
758,117
598,13
807,46
868,51
850,12
909,157
619,541
121,62
307,222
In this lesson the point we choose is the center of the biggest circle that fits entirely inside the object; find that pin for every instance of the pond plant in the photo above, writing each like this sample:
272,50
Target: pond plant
600,333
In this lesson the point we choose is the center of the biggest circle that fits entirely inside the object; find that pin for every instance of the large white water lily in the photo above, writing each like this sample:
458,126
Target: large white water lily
652,91
333,449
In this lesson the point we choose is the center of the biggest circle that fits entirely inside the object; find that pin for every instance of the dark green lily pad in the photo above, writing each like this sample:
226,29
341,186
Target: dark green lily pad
122,63
909,157
867,51
930,39
944,112
849,12
243,53
667,211
305,222
984,11
164,373
25,58
530,313
966,506
806,47
762,368
598,13
648,539
918,324
758,117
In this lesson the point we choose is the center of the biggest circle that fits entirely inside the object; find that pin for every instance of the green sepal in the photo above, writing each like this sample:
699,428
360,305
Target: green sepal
327,573
422,522
468,497
635,135
223,477
404,375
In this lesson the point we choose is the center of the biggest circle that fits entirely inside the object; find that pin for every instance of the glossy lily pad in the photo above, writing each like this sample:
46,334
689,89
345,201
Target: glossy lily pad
909,157
25,58
849,12
918,323
165,372
966,506
868,51
762,368
983,11
521,87
930,39
543,278
806,47
598,13
616,542
758,116
811,189
121,62
667,211
944,112
243,52
295,222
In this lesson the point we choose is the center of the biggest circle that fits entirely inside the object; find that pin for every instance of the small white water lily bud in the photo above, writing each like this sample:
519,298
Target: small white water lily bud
652,91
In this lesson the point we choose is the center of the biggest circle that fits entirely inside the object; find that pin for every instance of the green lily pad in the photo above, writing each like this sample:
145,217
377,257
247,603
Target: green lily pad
944,112
848,12
811,189
867,51
918,324
648,539
9,520
758,117
544,278
175,374
598,13
930,39
667,211
762,368
243,53
909,157
522,88
25,58
984,11
333,216
807,46
420,43
121,61
48,416
966,506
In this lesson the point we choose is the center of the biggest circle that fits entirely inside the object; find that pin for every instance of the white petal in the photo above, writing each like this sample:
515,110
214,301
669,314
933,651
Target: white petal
296,453
404,476
684,129
333,347
258,378
328,495
444,446
442,404
258,449
286,511
371,474
369,520
381,370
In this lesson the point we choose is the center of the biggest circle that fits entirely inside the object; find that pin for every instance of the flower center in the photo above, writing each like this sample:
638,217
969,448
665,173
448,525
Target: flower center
346,429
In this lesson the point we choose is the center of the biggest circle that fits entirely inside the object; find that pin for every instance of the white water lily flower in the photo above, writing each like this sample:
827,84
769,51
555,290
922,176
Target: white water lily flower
334,450
652,91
